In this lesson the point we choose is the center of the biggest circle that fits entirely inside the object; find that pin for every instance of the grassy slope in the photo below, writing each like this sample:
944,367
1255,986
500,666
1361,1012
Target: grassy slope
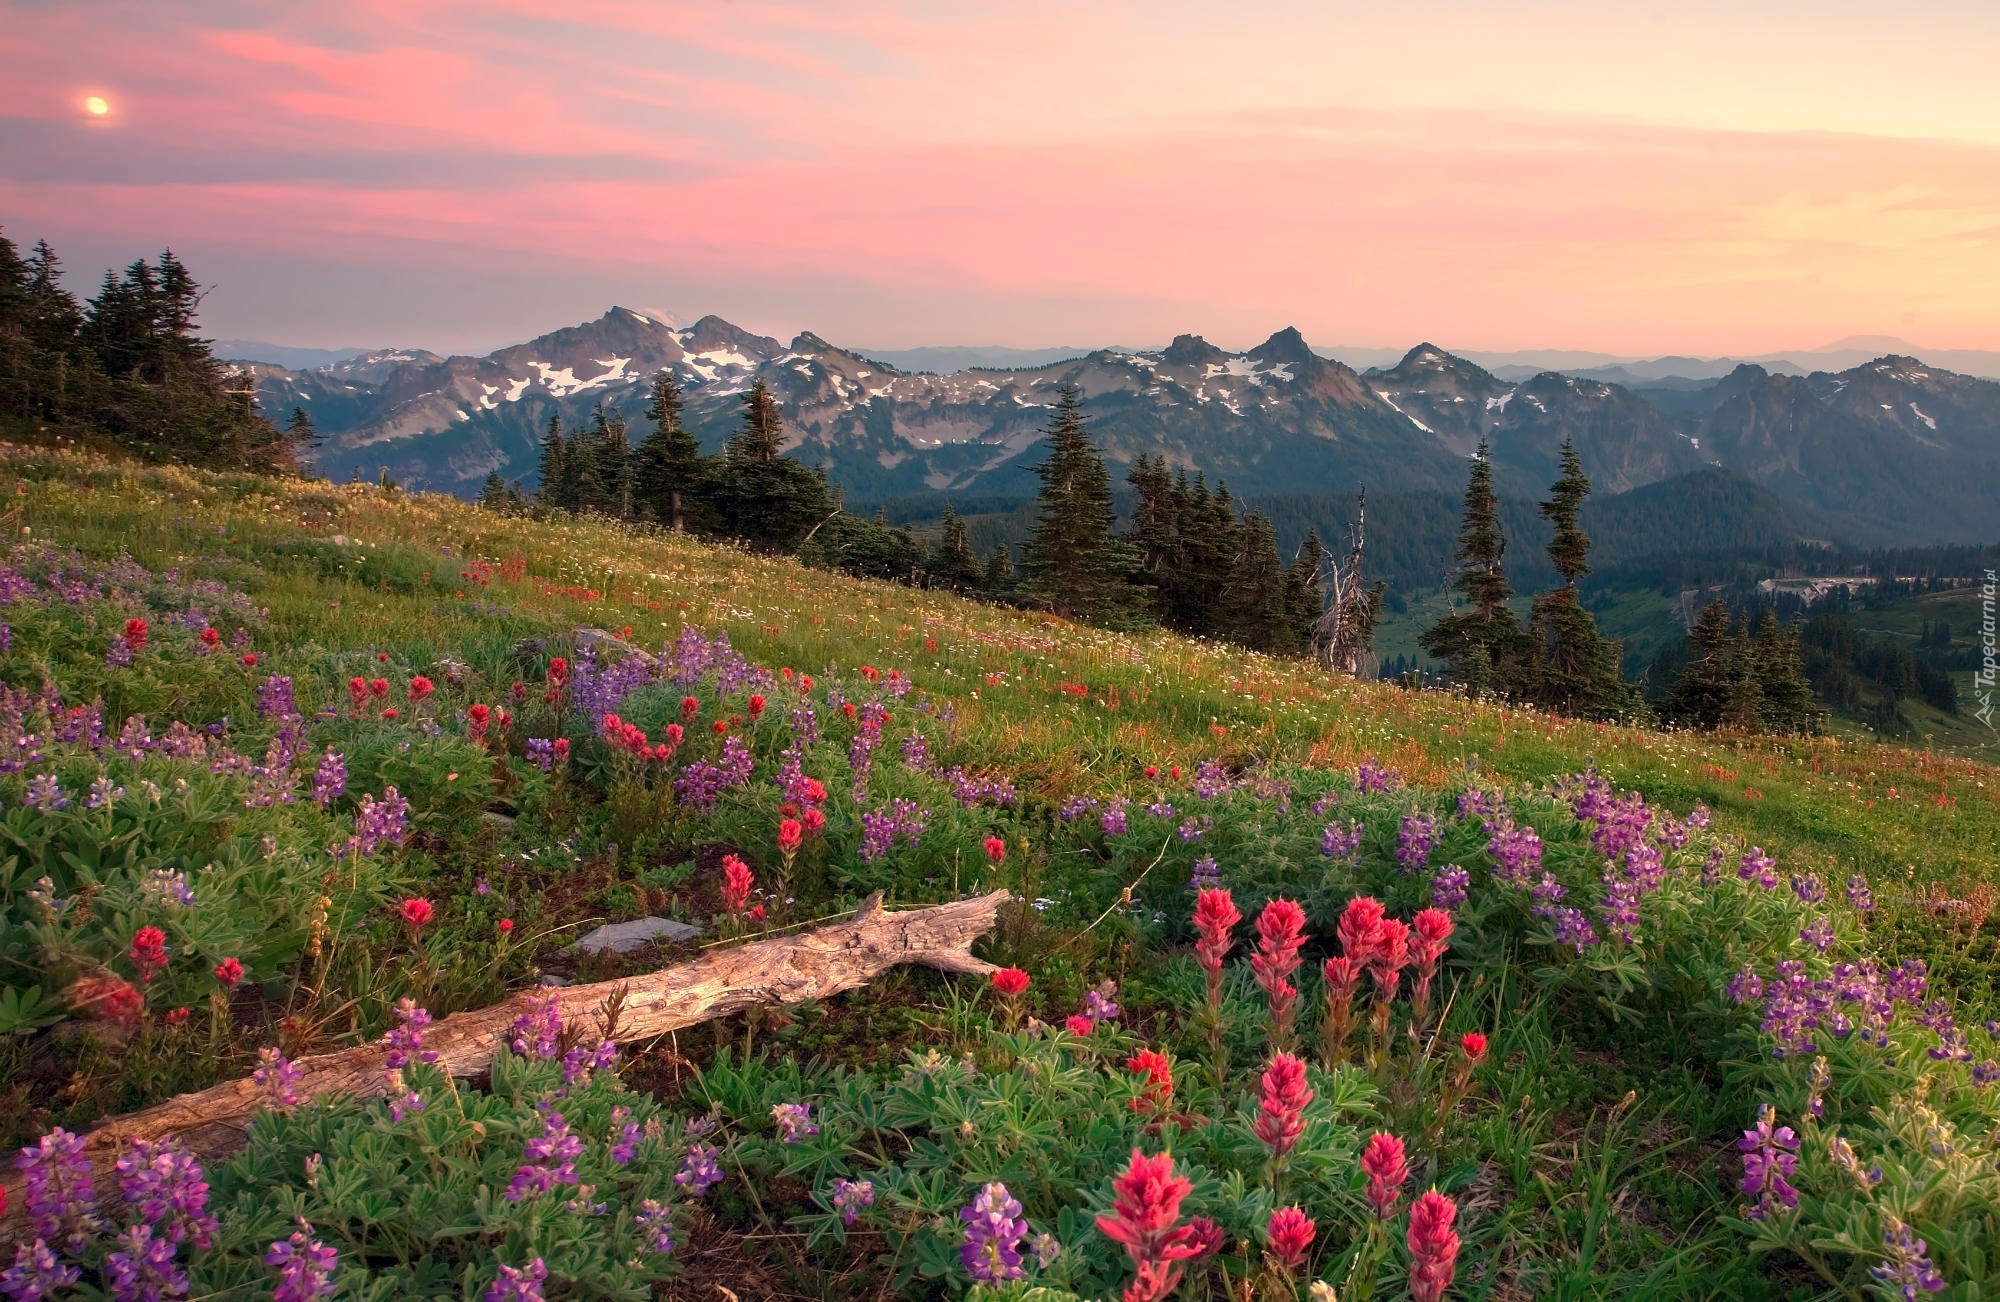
1908,819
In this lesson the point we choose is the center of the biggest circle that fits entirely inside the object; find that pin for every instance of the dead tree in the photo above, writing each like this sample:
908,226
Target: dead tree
1346,627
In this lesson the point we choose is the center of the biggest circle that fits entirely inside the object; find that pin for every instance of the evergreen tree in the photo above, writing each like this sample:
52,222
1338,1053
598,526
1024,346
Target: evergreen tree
1480,642
1305,599
1000,573
667,469
300,433
1785,699
1072,563
1571,668
554,474
1257,613
603,455
953,565
493,494
1716,687
762,497
1155,536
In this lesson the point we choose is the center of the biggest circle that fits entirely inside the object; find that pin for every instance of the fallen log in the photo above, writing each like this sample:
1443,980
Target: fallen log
825,961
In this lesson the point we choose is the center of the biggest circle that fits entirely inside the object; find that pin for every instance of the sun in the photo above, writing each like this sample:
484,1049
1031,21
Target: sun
96,105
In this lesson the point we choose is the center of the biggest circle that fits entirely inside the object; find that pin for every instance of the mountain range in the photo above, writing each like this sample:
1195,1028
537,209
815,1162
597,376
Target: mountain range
1887,449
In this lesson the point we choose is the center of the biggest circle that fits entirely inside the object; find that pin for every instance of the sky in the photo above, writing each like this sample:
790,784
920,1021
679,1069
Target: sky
1633,178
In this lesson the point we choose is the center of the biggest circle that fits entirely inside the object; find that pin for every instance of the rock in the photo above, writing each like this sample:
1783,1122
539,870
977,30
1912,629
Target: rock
624,937
551,979
603,641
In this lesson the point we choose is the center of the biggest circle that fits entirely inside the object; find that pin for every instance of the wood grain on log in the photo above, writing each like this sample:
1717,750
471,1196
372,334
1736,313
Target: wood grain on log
787,970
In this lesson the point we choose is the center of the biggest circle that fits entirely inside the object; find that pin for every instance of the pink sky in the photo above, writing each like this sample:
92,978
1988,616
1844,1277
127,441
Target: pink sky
1631,178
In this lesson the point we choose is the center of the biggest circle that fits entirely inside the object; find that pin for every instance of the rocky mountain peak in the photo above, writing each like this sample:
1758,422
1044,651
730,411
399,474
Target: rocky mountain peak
1192,350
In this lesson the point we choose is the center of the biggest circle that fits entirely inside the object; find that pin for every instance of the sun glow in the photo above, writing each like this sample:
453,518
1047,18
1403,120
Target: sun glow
96,105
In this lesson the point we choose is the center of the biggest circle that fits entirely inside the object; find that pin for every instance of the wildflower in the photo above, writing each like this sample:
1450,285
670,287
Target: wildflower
276,1075
1281,931
1079,1025
549,1159
135,635
1432,932
699,1170
149,952
164,1183
57,1190
305,1266
45,793
1290,1233
1010,981
1158,1090
850,1197
1360,928
379,823
794,1121
1758,867
420,687
479,717
1391,956
416,913
1818,934
523,1284
329,779
211,639
1448,886
36,1273
737,879
1383,1163
1046,1248
1341,975
1844,1157
107,999
1281,1108
1145,1209
790,836
656,1226
1100,1002
994,1228
1206,876
143,1267
1214,916
1909,1269
1770,1154
406,1038
996,849
1433,1246
505,926
1340,840
1473,1045
1414,838
538,1030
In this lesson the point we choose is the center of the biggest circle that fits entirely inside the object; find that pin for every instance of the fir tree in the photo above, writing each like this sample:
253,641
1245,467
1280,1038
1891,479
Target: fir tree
1305,600
1480,642
1000,573
300,433
554,475
1717,687
953,565
493,494
1155,536
1257,613
767,499
1072,563
1571,668
761,437
667,468
1785,699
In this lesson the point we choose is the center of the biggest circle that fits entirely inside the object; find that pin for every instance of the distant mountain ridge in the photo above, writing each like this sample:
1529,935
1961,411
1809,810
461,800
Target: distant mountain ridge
1891,444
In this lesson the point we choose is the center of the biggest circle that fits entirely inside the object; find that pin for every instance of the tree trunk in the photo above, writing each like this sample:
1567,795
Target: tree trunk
786,970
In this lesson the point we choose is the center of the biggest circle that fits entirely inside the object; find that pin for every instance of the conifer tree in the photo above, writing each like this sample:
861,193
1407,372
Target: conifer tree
768,500
1305,600
999,582
493,494
667,468
761,437
1571,668
300,432
1257,611
1785,699
1480,642
1072,564
1155,536
953,565
555,472
1716,687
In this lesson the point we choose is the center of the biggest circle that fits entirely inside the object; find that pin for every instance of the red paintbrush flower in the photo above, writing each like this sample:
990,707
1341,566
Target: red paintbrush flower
1433,1246
1281,1109
1290,1232
1383,1163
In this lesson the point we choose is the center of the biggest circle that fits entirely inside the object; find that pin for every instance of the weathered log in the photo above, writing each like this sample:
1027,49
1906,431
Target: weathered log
787,970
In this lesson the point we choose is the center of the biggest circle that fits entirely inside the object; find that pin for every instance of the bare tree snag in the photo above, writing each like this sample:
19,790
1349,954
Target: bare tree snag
786,970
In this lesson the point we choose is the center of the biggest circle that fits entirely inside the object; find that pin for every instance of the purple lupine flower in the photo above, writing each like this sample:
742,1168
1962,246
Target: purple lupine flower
1645,866
1818,1078
541,752
275,699
1574,929
1516,852
1075,807
1211,779
1046,1248
1191,830
900,819
1985,1072
1371,776
1858,893
378,823
1711,867
169,888
1808,887
1621,910
794,1121
1475,803
1160,809
57,1189
549,1159
164,1182
626,1146
1909,1269
537,1032
699,1170
330,778
994,1227
656,1226
1100,1003
1758,867
917,753
276,1075
406,1038
1113,820
1819,935
36,1273
1770,1155
305,1267
45,793
6,636
142,1268
850,1197
1340,840
519,1285
581,1060
1448,886
118,655
1207,875
1745,987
